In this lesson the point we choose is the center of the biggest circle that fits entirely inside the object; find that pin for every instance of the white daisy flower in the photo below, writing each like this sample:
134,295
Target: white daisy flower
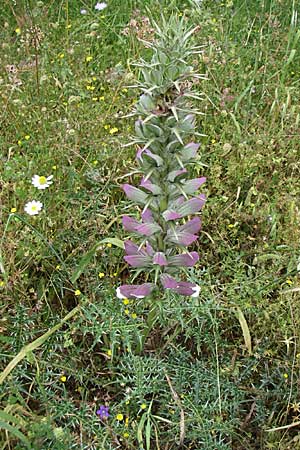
100,6
33,208
41,182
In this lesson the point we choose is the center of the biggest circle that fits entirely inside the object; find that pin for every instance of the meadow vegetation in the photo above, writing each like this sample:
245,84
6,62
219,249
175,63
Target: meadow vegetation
219,371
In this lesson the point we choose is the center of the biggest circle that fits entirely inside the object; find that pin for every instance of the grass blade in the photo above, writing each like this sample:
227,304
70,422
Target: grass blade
245,329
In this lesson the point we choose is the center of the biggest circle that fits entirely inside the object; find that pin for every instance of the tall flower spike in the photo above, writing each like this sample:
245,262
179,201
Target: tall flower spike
164,130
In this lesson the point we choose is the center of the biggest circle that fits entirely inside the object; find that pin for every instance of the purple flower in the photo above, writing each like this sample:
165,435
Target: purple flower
185,234
191,186
138,260
102,412
160,259
145,229
159,161
147,216
181,237
191,226
135,194
136,256
135,290
185,259
180,287
186,208
176,173
156,190
189,151
100,6
171,215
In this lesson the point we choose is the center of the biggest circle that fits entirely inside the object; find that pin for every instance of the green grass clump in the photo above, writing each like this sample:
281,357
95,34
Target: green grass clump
65,89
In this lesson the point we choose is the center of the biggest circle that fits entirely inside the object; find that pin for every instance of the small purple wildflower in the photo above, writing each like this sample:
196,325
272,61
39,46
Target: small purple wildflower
100,6
102,412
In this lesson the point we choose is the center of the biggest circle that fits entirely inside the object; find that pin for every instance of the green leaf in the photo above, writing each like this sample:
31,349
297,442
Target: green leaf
114,241
245,329
148,434
13,430
35,344
83,263
5,417
141,428
86,259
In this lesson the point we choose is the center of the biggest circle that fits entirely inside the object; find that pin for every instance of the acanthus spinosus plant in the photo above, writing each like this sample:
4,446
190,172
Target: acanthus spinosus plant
166,123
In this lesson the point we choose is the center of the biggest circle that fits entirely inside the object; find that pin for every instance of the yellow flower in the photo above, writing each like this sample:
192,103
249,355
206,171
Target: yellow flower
68,26
94,78
2,283
13,210
114,130
77,292
63,378
54,167
124,90
20,142
106,127
288,281
102,98
213,141
119,417
285,375
108,245
109,353
143,406
126,311
125,435
95,99
95,162
101,275
27,137
88,58
126,301
57,267
133,315
18,30
61,55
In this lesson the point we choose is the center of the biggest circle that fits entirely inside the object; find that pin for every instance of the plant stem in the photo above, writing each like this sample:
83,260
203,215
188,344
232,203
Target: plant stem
152,317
